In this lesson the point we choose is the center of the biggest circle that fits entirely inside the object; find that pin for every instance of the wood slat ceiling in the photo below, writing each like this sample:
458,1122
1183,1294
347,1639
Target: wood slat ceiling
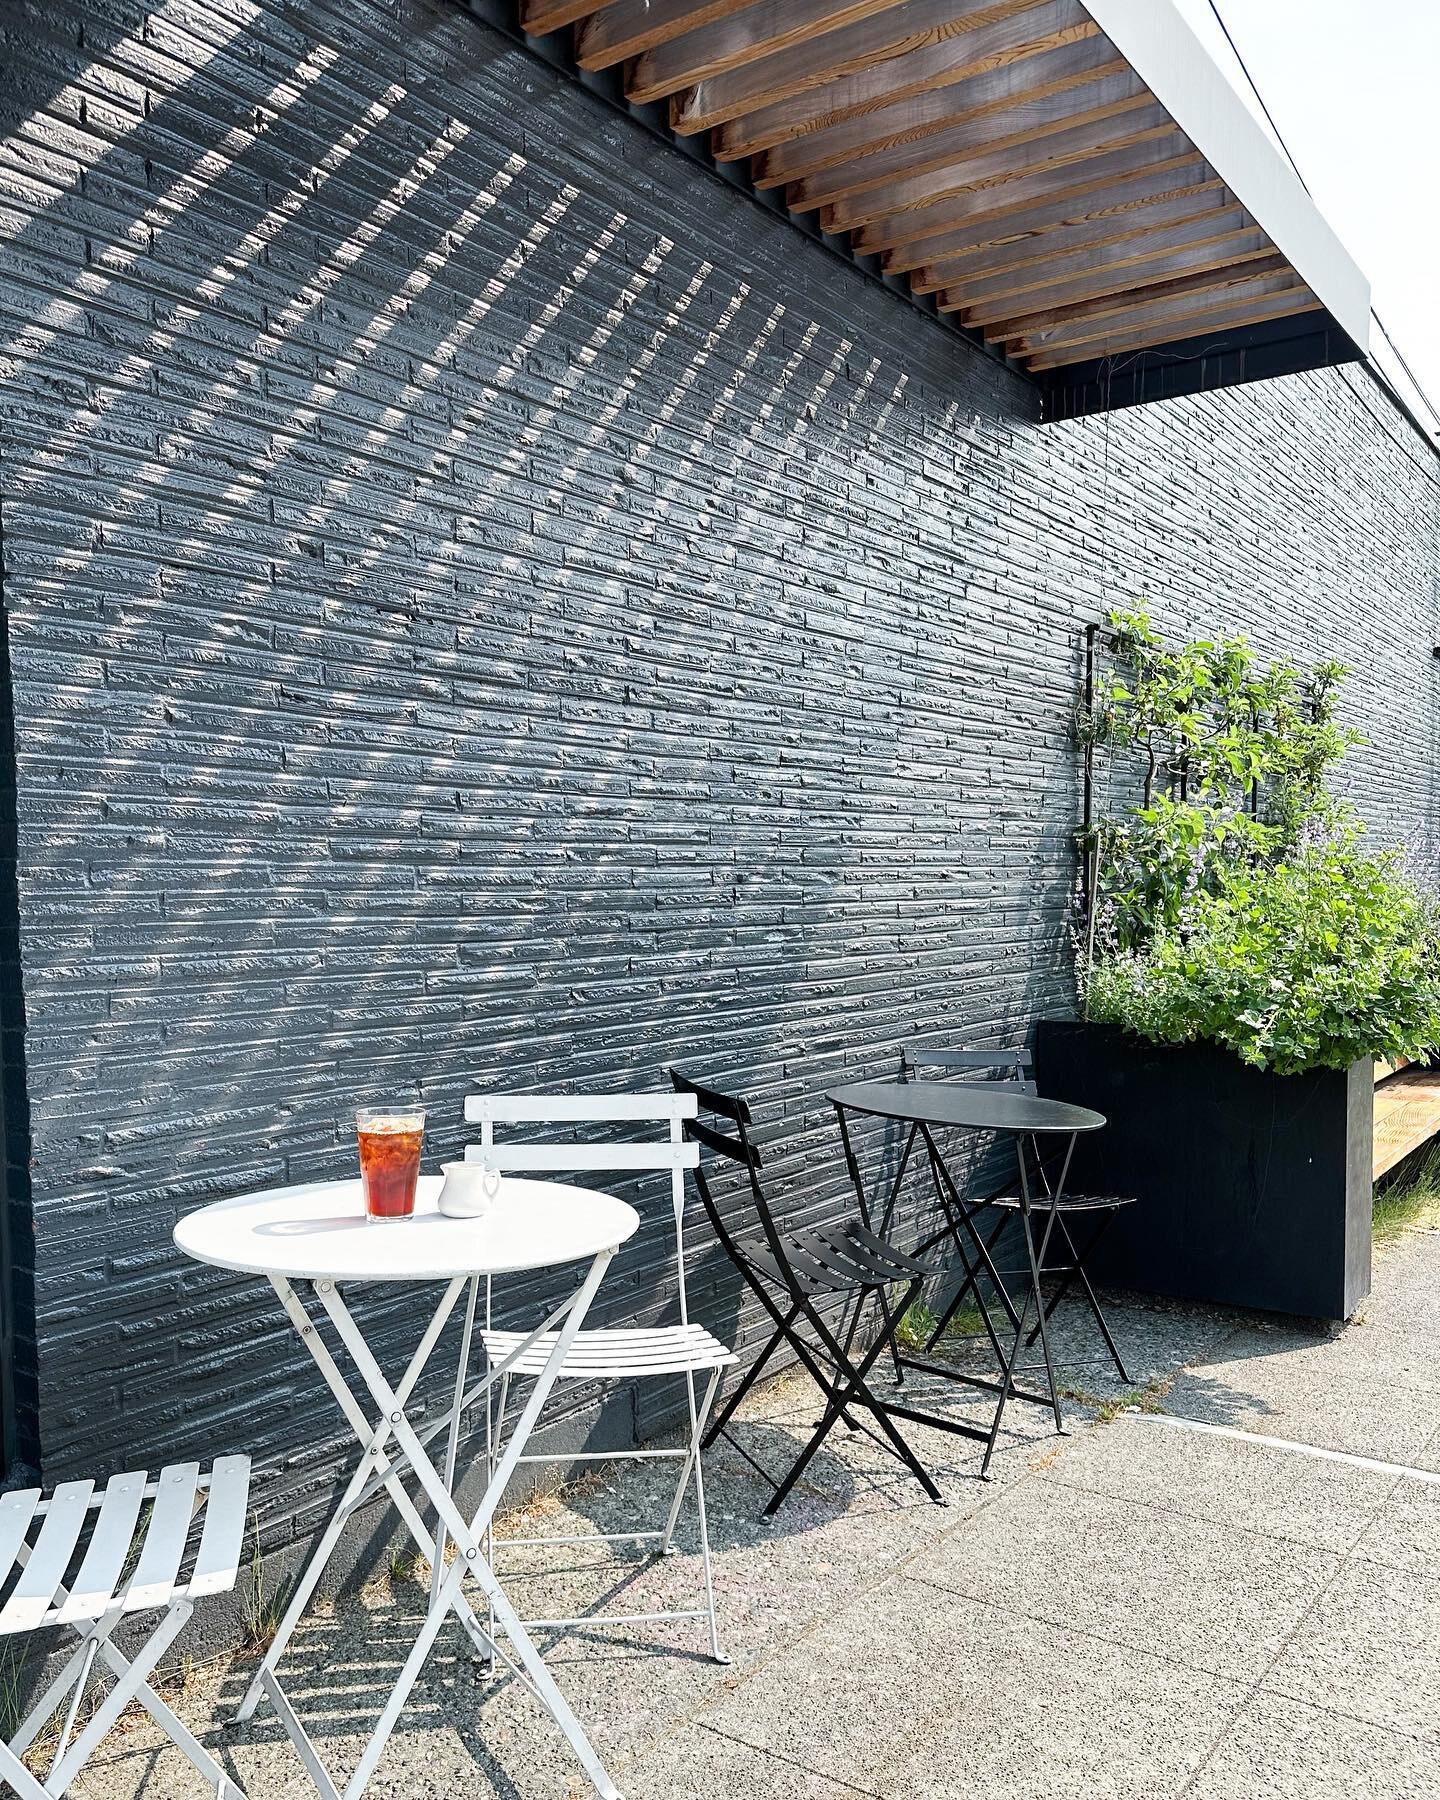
999,154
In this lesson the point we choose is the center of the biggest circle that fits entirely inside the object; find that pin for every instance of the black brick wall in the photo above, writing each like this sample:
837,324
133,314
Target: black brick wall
489,605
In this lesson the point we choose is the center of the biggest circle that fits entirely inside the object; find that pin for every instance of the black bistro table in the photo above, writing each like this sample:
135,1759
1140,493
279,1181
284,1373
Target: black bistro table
1030,1122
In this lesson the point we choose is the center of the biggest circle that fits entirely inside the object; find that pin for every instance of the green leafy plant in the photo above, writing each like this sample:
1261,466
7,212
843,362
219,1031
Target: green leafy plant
1232,900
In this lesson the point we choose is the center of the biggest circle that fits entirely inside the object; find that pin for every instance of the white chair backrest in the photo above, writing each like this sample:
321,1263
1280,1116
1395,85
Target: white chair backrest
670,1152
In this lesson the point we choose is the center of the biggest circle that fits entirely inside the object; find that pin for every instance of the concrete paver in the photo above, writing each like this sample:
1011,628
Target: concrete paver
1136,1610
1208,1596
949,1695
1283,1749
1282,1388
1370,1648
1228,1481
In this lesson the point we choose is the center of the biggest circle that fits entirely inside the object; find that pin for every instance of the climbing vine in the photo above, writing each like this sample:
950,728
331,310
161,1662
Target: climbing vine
1227,894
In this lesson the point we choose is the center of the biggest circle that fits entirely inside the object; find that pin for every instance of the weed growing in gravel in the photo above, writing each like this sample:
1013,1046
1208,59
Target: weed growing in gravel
264,1605
1150,1398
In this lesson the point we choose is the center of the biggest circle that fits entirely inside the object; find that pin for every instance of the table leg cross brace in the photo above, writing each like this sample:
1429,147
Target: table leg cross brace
373,1463
467,1535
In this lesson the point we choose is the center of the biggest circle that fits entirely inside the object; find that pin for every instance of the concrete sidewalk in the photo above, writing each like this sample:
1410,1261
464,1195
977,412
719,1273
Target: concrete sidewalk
1141,1609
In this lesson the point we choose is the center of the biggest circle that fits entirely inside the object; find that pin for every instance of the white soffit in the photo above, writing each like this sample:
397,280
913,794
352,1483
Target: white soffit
1177,69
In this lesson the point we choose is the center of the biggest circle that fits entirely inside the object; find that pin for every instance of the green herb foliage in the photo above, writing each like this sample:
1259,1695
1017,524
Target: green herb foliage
1232,900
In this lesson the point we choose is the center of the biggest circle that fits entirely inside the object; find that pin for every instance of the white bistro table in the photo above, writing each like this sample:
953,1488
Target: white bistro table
318,1236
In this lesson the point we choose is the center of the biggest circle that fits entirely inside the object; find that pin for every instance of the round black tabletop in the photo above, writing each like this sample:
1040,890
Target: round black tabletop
977,1106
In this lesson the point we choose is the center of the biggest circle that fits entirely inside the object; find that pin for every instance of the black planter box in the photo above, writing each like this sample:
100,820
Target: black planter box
1253,1189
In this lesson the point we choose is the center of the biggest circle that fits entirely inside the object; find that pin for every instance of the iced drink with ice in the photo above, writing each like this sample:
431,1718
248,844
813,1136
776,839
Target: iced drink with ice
390,1140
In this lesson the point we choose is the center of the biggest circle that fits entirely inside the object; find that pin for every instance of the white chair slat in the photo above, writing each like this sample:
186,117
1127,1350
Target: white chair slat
217,1563
556,1109
49,1559
94,1585
154,1579
665,1349
16,1512
587,1156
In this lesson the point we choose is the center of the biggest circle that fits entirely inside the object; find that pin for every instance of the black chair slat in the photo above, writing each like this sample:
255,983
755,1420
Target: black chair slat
819,1271
729,1106
922,1057
868,1255
1069,1203
840,1261
722,1145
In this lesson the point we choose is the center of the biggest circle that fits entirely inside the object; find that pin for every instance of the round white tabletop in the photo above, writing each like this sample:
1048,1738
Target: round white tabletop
319,1232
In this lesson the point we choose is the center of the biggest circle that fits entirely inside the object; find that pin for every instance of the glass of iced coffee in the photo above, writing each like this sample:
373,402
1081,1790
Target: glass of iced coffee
390,1139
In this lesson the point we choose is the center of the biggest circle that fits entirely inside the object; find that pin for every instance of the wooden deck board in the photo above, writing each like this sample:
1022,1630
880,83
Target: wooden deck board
1407,1115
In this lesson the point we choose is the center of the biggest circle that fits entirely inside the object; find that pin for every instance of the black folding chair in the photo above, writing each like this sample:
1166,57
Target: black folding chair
797,1276
1014,1068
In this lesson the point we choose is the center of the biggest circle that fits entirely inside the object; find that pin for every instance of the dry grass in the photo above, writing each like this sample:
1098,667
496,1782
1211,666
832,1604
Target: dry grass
1411,1204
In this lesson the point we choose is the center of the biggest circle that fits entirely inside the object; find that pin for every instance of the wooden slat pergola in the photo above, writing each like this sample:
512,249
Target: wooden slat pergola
1024,162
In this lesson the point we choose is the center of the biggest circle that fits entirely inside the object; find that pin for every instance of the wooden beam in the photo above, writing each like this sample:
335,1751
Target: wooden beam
940,64
1027,123
1033,284
1109,203
1007,319
1223,287
1059,324
1027,82
1032,252
1407,1115
537,17
629,27
1165,150
766,29
1279,306
891,35
995,167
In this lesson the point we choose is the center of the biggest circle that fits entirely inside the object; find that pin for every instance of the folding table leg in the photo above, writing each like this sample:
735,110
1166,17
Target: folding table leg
452,1445
956,1210
374,1462
1007,1387
468,1534
969,1285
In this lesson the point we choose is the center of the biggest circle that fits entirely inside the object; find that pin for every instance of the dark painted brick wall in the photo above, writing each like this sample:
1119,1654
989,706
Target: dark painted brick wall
489,605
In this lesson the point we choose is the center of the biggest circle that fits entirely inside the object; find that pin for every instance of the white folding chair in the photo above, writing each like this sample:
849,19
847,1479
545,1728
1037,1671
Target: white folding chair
120,1571
642,1353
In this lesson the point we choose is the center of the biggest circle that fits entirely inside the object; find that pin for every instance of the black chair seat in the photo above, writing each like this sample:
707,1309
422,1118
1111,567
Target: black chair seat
1069,1203
839,1259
